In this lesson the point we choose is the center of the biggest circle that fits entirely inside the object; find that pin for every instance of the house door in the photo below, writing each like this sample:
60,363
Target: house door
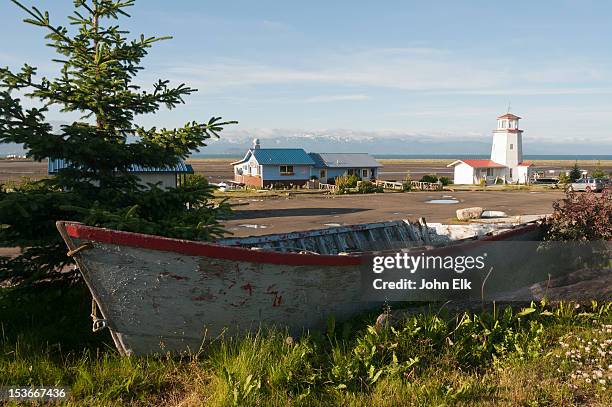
322,174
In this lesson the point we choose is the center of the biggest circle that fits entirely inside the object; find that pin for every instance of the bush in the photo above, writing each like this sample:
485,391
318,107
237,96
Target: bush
598,172
575,173
367,187
433,178
406,186
585,217
429,178
564,178
346,181
445,181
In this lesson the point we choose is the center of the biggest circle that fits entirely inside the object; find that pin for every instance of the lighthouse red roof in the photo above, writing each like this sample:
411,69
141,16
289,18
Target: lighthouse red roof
508,116
478,163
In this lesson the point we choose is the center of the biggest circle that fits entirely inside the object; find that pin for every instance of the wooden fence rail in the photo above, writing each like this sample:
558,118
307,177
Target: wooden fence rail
422,186
329,187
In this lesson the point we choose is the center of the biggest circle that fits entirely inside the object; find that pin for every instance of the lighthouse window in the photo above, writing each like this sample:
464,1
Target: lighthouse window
511,146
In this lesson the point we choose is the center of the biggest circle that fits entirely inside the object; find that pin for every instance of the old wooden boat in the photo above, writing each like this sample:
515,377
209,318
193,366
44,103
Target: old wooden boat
158,294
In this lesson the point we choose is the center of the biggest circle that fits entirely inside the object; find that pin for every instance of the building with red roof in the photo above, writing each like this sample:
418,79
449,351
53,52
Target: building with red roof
506,163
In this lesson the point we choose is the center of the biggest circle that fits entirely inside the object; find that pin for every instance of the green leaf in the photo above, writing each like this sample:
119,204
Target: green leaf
525,311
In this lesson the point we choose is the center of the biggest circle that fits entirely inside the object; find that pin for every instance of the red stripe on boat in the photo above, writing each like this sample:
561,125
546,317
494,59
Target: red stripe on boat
194,248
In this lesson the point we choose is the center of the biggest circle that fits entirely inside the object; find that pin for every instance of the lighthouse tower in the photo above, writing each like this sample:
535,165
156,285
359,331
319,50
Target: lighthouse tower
507,146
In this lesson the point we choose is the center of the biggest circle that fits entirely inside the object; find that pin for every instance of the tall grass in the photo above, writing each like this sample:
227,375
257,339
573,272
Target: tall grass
508,357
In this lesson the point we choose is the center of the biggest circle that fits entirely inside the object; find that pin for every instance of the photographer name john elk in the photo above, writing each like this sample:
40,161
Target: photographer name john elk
426,285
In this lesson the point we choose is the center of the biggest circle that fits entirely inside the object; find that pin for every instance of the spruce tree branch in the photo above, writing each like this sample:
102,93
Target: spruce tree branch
42,21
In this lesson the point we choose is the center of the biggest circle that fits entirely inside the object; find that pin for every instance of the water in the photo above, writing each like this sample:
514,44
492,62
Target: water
252,226
493,214
571,157
442,201
526,157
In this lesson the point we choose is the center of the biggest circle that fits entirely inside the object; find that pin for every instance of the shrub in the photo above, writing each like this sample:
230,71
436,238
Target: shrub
583,217
346,181
367,187
564,178
445,181
406,186
575,173
598,172
429,178
433,178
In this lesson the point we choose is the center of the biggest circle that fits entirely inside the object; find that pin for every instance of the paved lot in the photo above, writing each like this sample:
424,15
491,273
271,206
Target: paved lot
278,215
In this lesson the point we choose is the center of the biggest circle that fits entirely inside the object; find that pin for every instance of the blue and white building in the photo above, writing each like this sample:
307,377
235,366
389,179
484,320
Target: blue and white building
271,167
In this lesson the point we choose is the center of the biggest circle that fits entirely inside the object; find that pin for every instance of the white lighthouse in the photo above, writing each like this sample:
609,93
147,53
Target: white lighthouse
507,148
506,163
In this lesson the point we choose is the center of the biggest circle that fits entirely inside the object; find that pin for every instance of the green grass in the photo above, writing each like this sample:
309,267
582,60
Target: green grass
509,357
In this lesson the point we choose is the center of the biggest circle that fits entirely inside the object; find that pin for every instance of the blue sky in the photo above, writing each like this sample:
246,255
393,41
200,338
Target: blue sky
443,69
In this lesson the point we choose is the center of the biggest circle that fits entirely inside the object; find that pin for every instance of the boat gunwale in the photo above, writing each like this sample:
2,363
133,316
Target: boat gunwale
207,249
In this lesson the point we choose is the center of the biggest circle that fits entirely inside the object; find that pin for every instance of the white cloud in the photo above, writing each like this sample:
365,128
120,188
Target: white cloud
335,98
414,69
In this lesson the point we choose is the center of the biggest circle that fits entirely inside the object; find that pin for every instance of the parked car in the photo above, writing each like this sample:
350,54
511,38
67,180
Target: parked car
587,184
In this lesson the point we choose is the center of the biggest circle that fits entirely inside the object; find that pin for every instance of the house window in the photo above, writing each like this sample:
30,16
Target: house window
286,170
364,173
511,146
322,174
489,172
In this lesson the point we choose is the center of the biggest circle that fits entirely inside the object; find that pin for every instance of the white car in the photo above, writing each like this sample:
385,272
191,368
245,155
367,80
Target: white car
587,185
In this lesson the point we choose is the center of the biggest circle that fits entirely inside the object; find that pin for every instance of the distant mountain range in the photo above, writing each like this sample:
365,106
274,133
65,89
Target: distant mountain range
379,143
385,143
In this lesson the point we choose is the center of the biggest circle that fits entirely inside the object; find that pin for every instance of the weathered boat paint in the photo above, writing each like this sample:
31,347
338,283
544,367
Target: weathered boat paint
159,294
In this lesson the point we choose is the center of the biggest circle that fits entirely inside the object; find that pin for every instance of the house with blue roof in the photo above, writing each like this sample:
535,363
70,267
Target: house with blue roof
273,167
168,177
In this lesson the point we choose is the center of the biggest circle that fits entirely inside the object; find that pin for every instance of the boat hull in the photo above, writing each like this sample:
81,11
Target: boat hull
166,295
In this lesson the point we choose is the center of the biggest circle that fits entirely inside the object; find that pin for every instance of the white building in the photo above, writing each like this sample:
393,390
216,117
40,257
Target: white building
506,163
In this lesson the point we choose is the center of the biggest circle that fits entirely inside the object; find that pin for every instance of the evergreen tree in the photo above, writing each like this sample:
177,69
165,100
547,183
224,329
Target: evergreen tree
598,172
575,173
98,67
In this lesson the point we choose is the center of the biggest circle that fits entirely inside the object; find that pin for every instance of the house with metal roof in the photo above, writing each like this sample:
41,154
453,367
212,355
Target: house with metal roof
272,167
168,177
328,166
